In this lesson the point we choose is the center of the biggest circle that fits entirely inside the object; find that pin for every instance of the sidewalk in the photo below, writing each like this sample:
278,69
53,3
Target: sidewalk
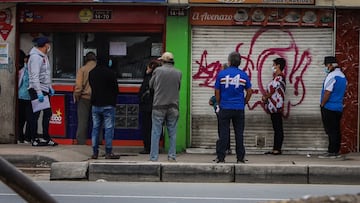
72,162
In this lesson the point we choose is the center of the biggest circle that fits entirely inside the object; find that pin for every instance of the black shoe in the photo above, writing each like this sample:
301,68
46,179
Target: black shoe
112,156
274,152
240,161
217,160
228,152
94,156
144,152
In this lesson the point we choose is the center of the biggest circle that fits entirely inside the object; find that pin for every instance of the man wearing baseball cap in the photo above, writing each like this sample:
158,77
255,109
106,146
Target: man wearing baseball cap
165,82
331,104
40,86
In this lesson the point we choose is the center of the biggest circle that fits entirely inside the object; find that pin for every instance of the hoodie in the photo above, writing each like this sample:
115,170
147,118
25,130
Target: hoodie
39,71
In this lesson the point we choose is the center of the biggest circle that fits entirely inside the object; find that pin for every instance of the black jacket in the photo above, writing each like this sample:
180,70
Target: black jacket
146,95
104,86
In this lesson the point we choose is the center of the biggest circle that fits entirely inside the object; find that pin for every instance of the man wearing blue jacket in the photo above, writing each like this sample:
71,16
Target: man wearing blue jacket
331,104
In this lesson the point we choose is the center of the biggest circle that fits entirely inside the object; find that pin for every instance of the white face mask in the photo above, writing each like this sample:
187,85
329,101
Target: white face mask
273,69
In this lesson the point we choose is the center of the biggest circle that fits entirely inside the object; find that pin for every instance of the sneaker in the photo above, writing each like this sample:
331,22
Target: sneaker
112,156
217,160
52,143
37,143
329,156
27,141
94,156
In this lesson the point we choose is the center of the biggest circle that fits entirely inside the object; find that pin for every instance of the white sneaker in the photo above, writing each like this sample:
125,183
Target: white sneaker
52,143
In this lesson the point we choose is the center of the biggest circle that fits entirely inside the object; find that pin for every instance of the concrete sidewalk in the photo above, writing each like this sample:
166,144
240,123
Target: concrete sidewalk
72,162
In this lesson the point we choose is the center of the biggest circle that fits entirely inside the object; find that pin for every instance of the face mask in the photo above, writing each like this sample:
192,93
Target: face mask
48,49
273,69
326,70
110,63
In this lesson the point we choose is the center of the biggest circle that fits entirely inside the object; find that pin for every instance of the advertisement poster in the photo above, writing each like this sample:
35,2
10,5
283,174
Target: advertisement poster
4,53
57,120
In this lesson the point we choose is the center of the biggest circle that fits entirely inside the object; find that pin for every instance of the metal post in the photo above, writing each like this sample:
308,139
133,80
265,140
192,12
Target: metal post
21,184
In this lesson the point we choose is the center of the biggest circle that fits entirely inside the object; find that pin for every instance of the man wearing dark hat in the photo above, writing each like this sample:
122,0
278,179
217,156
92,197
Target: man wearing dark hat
165,82
331,104
230,87
40,86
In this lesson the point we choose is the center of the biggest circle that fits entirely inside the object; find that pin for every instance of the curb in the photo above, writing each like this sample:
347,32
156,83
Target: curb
36,161
201,172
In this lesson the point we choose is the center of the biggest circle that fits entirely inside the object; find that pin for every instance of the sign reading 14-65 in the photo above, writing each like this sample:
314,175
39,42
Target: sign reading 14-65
102,15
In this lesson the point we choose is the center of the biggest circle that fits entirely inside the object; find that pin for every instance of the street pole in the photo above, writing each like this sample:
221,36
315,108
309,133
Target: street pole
21,184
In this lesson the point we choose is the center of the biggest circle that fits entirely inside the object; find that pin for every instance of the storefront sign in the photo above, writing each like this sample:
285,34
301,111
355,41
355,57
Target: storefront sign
49,14
102,15
148,1
57,120
292,2
177,11
262,16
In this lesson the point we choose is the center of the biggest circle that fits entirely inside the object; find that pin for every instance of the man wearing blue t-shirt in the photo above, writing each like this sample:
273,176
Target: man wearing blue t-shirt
230,85
331,104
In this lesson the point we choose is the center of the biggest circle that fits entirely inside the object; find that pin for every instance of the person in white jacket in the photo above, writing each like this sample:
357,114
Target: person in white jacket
40,86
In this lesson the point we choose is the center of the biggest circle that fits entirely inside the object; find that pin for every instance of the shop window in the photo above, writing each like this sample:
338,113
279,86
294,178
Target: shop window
129,52
64,56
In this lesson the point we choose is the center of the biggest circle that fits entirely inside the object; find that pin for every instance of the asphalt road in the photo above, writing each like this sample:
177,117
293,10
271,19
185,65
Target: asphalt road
161,192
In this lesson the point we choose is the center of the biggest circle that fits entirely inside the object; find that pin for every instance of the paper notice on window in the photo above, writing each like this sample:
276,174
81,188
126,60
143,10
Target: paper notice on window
38,106
117,48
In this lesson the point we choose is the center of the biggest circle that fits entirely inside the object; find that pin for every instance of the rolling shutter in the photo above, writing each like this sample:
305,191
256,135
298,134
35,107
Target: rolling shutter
304,50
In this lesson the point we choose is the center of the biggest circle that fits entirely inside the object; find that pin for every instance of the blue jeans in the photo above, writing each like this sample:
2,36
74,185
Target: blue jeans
238,119
103,115
170,116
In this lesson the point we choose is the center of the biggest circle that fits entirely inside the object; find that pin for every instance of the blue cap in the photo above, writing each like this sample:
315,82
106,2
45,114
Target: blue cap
41,41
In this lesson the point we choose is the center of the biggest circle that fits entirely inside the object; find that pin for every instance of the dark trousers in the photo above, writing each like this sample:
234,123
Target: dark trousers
331,122
47,113
277,124
237,117
146,129
228,145
25,115
83,115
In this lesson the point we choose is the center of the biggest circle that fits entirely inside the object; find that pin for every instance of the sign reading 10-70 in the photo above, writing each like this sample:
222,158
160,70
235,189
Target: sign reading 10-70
102,15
